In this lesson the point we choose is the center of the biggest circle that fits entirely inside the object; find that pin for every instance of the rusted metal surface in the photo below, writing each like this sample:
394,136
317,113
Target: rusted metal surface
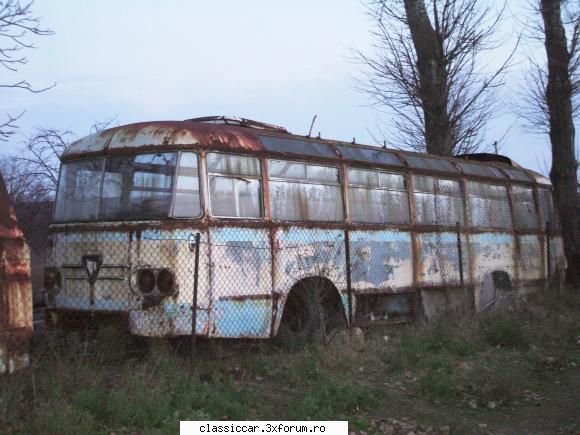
249,266
196,134
15,290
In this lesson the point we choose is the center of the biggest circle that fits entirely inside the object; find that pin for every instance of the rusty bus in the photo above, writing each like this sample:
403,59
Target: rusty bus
15,290
378,235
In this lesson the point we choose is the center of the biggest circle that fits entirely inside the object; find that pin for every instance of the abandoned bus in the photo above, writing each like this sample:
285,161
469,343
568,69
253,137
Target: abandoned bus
291,229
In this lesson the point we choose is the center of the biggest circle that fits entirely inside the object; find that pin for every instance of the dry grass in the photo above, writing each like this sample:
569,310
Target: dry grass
456,372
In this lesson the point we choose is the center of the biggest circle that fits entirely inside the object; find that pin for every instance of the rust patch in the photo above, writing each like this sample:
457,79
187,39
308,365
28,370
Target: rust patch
246,297
15,290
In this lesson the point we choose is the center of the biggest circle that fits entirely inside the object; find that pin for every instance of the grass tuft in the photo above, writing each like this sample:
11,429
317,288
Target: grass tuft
504,331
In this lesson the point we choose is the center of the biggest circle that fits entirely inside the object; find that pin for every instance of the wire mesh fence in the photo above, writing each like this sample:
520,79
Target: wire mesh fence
291,284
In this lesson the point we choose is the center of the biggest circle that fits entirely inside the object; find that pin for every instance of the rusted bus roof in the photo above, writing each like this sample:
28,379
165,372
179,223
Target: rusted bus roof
179,134
8,224
196,133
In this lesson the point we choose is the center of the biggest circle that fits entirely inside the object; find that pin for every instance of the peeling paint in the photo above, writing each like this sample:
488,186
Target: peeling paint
248,266
15,290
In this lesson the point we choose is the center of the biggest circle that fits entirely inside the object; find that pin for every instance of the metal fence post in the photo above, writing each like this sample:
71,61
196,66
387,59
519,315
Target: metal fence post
194,301
548,259
348,279
460,254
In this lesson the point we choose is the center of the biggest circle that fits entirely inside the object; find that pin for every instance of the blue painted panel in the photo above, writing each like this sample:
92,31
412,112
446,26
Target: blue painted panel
381,259
177,234
247,318
302,235
241,261
490,238
439,258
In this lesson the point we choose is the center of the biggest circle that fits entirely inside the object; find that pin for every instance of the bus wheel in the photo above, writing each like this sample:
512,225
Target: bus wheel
313,314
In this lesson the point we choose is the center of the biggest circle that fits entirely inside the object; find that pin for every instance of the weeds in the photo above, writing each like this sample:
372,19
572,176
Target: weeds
456,362
504,332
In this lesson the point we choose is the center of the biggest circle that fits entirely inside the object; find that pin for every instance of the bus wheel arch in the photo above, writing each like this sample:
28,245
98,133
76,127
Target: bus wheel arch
313,305
495,283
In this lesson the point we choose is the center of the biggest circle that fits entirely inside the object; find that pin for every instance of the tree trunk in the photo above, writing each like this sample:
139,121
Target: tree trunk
432,77
564,165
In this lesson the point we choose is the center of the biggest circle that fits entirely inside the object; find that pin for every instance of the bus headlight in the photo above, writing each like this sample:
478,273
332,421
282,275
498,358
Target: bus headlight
165,281
146,280
52,279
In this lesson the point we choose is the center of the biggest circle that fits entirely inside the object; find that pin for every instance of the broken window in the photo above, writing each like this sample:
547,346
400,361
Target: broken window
234,185
187,202
78,190
303,192
377,197
489,205
524,207
549,212
437,201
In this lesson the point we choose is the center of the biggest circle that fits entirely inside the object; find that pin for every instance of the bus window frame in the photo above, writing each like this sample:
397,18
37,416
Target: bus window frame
460,179
201,214
405,174
533,187
340,183
468,211
260,178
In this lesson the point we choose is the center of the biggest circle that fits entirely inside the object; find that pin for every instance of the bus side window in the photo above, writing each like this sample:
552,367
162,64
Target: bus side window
377,197
549,212
234,185
303,192
524,207
187,201
489,205
437,201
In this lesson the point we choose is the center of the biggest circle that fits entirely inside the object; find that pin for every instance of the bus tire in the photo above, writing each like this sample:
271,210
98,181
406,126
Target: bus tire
312,313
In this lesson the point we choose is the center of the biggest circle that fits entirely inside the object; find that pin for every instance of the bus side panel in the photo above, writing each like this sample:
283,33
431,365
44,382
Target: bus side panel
302,253
439,259
380,260
241,283
173,315
530,260
492,252
110,291
438,272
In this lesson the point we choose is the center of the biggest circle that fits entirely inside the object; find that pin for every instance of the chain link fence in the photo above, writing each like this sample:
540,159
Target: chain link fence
291,284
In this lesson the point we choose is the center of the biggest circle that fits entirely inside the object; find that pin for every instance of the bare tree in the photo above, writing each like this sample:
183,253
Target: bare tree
17,26
428,71
42,153
99,126
533,108
555,98
22,185
39,162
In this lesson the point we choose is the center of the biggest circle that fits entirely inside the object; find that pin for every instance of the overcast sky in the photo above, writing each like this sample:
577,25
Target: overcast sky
280,62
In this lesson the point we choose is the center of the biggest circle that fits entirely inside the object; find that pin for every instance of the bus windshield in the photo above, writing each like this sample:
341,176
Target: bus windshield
127,187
